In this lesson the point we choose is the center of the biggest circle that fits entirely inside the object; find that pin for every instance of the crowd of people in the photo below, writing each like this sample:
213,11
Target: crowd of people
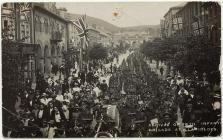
148,106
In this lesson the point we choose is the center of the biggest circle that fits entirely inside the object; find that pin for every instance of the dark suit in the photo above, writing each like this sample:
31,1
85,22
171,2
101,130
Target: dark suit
104,87
56,103
82,76
48,114
39,119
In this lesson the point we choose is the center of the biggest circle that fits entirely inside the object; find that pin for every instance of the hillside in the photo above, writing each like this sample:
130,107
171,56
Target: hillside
106,26
100,23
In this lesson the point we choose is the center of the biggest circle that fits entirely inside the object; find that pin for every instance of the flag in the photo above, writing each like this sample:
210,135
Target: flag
81,27
24,7
25,11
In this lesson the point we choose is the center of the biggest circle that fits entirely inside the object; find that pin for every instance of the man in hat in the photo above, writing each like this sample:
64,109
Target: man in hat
40,115
76,87
182,96
48,111
215,114
90,77
44,100
36,98
179,80
66,112
68,94
97,91
81,74
55,102
167,127
104,86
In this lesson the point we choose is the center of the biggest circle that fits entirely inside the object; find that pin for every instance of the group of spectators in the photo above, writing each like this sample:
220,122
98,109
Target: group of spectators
148,106
58,108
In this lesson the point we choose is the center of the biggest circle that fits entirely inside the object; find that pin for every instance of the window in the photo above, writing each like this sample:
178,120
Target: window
37,24
46,26
27,32
196,8
23,27
40,26
5,5
5,24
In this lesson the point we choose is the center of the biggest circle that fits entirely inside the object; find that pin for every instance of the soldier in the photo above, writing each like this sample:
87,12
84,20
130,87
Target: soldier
215,114
104,86
167,127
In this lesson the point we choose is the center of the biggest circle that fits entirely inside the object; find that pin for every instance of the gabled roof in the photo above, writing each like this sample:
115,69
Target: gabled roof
173,8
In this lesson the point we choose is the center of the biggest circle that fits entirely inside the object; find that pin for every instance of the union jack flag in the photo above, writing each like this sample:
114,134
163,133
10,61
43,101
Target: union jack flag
24,7
81,27
25,10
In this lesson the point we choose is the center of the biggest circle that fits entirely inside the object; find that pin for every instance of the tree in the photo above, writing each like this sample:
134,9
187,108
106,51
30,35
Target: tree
98,52
196,53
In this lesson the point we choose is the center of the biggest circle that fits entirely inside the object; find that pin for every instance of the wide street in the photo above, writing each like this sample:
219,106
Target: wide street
120,70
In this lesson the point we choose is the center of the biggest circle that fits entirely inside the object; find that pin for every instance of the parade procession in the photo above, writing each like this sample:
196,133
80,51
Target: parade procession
68,75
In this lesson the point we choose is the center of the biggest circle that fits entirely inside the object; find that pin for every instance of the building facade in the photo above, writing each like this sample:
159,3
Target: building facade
194,19
17,41
50,32
200,19
40,33
168,28
8,22
133,38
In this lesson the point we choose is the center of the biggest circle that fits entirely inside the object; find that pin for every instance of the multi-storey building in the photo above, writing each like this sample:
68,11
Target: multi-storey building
18,48
167,25
134,38
8,20
199,19
50,32
212,21
36,34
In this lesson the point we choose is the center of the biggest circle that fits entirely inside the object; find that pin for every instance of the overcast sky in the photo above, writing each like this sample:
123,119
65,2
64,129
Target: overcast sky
129,14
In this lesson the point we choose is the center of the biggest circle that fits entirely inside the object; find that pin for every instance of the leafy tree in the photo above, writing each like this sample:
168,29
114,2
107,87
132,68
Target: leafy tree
98,52
197,53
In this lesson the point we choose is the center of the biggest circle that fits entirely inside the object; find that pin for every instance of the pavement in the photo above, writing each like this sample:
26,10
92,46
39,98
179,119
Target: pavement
153,66
121,57
118,63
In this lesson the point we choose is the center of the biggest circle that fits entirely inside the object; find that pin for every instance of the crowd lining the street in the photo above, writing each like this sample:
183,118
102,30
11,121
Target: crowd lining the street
148,106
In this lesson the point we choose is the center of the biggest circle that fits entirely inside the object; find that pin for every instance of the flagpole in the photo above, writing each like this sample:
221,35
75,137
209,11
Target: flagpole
81,54
82,30
86,58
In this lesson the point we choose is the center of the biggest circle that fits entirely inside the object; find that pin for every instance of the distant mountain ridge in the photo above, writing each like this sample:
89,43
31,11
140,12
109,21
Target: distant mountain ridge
99,23
106,26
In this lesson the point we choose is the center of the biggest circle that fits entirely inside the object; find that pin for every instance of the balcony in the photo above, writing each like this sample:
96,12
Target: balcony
56,36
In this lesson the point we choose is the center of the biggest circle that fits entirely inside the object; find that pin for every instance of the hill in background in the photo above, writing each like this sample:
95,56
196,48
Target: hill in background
92,21
106,26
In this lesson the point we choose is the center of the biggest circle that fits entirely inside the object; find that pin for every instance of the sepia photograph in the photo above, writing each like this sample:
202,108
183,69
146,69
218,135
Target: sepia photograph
111,69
